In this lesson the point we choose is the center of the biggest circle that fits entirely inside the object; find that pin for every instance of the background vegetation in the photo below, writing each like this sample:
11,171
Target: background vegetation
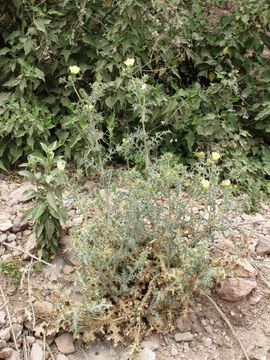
206,62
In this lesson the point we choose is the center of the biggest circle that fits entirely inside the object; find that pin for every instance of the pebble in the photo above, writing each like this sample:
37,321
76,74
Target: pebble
186,336
2,317
263,247
5,334
65,343
146,354
61,357
151,343
3,238
236,289
5,353
207,342
36,352
174,351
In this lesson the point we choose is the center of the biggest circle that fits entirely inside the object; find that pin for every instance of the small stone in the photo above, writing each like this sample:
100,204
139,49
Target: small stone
19,225
233,289
2,318
11,290
207,342
11,237
65,343
5,353
6,258
186,336
244,269
30,340
174,351
5,225
3,238
263,247
146,354
67,270
36,352
5,334
151,343
257,218
30,245
43,308
61,357
78,220
14,355
18,196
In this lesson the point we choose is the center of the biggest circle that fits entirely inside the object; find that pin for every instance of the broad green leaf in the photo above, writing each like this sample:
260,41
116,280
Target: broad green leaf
39,23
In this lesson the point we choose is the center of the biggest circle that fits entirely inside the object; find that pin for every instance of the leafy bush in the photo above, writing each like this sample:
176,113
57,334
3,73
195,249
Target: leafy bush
48,213
147,250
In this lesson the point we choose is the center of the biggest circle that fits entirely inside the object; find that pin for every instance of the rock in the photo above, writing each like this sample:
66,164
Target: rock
263,247
30,340
19,225
186,336
36,352
18,196
232,289
69,253
30,245
78,220
207,342
5,353
6,258
257,218
3,238
43,309
151,343
14,355
65,343
146,354
11,290
245,269
11,237
5,223
174,351
5,334
61,357
2,318
68,269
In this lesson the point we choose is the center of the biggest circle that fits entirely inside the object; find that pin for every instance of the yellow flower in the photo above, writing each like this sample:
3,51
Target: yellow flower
200,154
74,70
226,183
205,184
129,62
215,156
89,107
61,165
235,187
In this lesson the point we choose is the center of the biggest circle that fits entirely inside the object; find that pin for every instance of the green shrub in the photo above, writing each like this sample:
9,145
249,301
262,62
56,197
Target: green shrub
48,213
147,251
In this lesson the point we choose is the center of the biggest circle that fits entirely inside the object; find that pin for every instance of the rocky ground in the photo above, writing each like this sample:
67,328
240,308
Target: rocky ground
236,315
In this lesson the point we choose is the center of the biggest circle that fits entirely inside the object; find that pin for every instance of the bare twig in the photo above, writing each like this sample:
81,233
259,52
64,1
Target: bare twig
2,306
27,253
50,352
9,319
224,317
263,278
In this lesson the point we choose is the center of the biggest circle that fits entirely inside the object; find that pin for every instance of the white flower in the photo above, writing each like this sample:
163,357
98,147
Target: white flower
144,86
61,165
129,62
74,70
205,184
